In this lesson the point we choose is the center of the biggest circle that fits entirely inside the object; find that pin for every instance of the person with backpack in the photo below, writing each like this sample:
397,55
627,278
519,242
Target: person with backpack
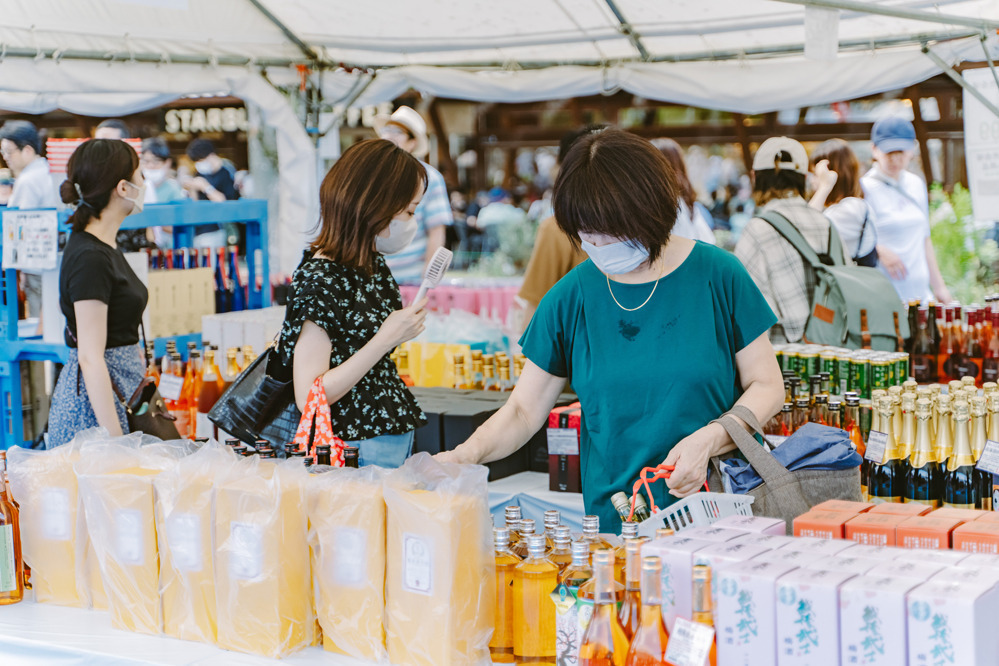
780,168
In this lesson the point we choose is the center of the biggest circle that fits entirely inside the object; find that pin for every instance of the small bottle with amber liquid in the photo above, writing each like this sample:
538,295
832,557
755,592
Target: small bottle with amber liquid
961,487
631,605
527,529
800,414
629,532
534,579
648,647
561,552
851,423
924,480
819,412
501,644
605,643
11,561
512,517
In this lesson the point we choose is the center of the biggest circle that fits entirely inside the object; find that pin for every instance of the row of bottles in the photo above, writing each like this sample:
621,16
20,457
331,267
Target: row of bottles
231,286
949,342
933,442
319,459
844,370
488,372
583,602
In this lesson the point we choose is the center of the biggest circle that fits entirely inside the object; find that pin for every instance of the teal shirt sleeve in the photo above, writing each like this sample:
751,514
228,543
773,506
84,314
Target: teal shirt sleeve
544,341
751,315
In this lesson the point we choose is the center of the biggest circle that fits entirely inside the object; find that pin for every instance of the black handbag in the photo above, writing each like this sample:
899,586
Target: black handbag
146,412
258,406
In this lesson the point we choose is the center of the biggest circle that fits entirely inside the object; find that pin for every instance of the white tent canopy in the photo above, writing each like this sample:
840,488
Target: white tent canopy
113,57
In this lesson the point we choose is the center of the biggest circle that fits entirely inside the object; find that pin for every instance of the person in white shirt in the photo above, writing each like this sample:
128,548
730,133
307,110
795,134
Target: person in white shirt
838,194
691,218
900,203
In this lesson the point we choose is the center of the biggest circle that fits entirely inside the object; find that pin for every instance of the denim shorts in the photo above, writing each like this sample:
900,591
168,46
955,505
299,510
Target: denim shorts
388,451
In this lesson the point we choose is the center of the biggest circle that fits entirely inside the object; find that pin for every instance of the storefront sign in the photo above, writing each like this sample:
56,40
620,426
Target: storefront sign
228,119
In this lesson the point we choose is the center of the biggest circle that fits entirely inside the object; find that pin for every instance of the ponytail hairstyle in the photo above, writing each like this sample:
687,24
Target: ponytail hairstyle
94,170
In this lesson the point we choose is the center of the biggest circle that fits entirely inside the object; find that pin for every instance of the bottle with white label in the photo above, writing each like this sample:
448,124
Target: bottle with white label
11,563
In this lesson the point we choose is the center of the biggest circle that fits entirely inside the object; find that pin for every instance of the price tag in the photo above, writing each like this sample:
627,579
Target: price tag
877,444
689,643
171,386
563,442
989,462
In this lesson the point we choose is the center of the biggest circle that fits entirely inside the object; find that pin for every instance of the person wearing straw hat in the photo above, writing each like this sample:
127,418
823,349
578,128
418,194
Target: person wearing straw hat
407,129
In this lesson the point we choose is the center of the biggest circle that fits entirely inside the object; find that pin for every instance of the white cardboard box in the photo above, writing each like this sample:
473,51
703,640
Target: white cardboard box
720,556
953,623
872,620
712,533
755,524
979,560
771,541
746,612
808,617
677,556
799,558
918,571
984,577
820,546
878,552
947,558
842,562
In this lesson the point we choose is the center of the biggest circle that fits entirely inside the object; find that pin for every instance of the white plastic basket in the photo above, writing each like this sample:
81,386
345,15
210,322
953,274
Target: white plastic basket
697,510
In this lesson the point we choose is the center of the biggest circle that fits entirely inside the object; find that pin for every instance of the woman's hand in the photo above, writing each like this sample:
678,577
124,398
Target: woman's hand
403,325
690,458
825,178
892,263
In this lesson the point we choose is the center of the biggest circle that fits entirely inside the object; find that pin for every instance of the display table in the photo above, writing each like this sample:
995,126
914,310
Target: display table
529,490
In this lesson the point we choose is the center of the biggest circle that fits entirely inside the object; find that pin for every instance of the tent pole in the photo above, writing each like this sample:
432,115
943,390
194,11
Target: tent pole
897,12
922,136
627,30
988,59
959,80
279,24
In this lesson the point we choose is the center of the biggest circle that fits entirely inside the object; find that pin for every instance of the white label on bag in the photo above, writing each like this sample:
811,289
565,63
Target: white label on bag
246,547
184,535
170,387
417,564
350,557
877,444
128,536
689,643
989,462
563,442
55,514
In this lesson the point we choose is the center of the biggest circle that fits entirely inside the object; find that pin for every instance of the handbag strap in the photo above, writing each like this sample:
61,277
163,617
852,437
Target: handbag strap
316,423
768,467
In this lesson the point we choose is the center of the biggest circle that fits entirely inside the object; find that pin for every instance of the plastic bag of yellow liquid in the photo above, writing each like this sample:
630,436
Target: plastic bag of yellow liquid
347,539
262,574
185,535
439,572
116,485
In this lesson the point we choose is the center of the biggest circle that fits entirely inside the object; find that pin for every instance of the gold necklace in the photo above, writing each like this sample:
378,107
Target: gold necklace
640,306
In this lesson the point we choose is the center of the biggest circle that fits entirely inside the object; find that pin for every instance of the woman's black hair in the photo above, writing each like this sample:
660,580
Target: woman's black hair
94,170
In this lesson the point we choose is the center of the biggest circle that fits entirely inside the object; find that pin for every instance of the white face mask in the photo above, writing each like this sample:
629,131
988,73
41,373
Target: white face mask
154,176
204,168
616,258
139,201
401,234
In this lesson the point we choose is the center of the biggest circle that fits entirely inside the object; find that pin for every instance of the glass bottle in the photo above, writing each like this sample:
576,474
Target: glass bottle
990,364
631,605
979,426
403,366
960,487
526,529
561,552
800,416
992,402
702,608
944,443
232,368
533,610
512,517
192,384
895,393
648,647
352,458
591,534
478,375
324,455
574,616
622,504
887,479
501,644
179,407
223,300
208,395
924,479
786,419
835,413
605,643
851,423
819,412
249,356
865,333
459,374
11,561
236,286
152,370
504,378
907,438
629,532
814,388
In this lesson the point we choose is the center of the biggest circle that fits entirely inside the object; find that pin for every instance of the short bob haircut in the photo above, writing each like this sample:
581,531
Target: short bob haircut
616,184
371,182
844,162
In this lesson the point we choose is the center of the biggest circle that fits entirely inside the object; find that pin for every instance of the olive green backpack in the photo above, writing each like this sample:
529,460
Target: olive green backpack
841,292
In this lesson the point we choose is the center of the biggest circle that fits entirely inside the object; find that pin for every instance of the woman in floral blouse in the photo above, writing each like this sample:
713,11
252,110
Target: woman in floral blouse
345,314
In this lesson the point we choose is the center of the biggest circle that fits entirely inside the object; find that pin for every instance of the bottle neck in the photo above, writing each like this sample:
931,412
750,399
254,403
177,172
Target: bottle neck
962,446
651,588
923,450
603,583
702,601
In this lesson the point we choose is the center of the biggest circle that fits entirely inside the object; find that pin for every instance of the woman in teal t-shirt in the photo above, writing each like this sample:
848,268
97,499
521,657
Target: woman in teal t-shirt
659,335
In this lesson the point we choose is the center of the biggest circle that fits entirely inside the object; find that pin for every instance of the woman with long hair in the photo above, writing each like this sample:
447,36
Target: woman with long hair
838,194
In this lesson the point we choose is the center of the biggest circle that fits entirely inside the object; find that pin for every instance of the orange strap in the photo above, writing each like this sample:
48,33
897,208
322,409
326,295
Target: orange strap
660,472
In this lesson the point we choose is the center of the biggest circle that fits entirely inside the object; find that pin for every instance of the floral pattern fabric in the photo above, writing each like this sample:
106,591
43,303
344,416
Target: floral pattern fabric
351,306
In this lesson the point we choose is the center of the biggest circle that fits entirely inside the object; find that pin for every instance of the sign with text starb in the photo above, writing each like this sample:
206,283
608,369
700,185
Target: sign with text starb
30,239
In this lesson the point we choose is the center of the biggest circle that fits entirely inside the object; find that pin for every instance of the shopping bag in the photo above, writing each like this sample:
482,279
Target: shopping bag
316,427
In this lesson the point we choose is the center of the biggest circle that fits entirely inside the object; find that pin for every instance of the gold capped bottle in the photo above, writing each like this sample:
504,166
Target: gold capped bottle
501,644
534,579
945,429
887,481
907,438
979,427
631,607
924,480
648,647
604,643
961,489
895,393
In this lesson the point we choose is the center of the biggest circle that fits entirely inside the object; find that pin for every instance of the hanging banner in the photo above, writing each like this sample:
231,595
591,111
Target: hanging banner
30,239
981,145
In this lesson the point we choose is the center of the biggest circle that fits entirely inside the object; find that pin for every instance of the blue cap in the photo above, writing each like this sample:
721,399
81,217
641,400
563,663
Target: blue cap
893,134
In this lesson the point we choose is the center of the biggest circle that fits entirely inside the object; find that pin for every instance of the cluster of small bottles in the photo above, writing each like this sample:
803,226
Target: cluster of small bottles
203,382
846,370
583,601
818,406
318,460
933,442
482,372
14,574
950,342
230,286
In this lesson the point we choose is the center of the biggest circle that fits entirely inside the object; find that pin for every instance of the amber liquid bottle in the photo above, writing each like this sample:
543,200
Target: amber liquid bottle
192,384
152,370
561,552
631,607
924,480
403,367
11,562
990,364
648,647
526,529
851,423
961,488
629,531
534,579
800,414
552,520
605,643
208,395
591,535
501,645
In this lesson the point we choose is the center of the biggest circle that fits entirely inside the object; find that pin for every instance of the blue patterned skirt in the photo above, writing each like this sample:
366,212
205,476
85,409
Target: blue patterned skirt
71,410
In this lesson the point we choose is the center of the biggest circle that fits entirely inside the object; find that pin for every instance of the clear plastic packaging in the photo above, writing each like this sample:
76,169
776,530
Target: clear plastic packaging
439,564
262,571
347,538
185,535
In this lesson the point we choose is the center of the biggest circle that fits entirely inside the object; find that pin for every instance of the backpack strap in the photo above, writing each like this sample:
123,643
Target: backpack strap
792,235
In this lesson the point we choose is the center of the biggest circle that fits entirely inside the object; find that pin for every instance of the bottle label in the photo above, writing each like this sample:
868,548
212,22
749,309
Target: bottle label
877,444
8,567
348,566
689,643
55,523
184,537
129,547
989,460
567,636
417,565
171,386
246,550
